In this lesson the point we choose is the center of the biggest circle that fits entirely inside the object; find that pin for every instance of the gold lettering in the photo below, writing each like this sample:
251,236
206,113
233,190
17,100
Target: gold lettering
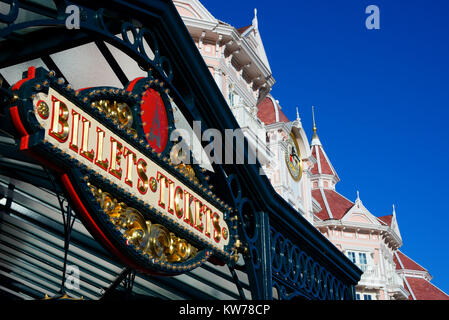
142,182
130,162
188,214
99,161
116,157
199,215
75,125
217,228
89,155
164,183
208,213
179,194
60,118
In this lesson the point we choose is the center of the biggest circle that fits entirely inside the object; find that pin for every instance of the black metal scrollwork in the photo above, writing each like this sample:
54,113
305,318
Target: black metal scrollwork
11,16
253,229
139,42
295,273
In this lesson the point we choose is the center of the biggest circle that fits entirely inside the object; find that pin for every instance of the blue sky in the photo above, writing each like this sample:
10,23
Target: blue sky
381,98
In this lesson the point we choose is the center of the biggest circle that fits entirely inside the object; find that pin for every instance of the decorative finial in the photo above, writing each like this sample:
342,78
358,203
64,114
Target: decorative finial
315,139
314,124
394,210
358,202
297,114
255,20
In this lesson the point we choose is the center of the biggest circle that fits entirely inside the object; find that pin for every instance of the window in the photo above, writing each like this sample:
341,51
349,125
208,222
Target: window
351,256
231,98
359,258
362,258
363,296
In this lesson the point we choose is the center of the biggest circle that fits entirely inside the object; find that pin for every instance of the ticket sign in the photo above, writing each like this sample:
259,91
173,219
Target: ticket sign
110,148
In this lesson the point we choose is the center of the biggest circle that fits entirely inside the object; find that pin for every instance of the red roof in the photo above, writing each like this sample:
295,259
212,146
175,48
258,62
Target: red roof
420,287
267,113
324,163
386,219
323,214
424,290
408,263
243,29
338,204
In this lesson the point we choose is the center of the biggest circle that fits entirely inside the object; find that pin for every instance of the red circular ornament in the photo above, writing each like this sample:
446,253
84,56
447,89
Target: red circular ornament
154,120
42,109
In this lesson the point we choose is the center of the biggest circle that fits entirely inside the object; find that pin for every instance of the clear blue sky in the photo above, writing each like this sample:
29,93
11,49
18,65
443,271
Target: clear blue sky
381,98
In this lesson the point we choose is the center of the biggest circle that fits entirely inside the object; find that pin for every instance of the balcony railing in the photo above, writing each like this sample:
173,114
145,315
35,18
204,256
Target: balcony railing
395,280
370,272
396,286
371,275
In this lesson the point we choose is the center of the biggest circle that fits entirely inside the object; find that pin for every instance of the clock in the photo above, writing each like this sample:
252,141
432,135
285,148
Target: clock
293,158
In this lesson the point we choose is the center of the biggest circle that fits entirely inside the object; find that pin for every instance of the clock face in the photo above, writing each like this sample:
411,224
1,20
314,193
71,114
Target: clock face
293,158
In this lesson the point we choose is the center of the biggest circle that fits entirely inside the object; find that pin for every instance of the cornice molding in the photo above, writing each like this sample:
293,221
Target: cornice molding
234,37
363,226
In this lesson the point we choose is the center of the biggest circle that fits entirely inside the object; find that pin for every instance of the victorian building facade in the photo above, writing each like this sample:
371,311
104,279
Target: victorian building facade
369,241
236,58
